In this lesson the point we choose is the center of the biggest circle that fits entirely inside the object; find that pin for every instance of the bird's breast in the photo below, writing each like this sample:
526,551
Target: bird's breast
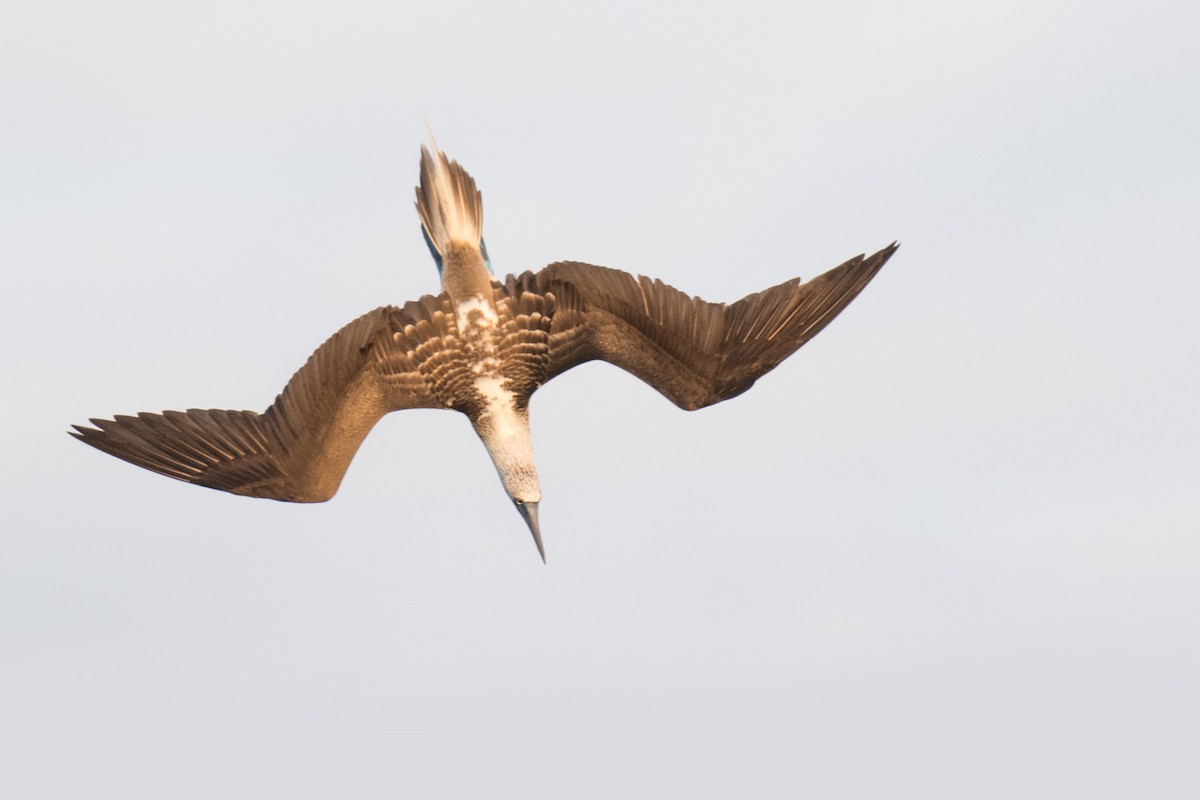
483,356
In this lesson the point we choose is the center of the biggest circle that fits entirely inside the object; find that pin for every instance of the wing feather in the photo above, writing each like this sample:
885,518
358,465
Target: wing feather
694,352
299,448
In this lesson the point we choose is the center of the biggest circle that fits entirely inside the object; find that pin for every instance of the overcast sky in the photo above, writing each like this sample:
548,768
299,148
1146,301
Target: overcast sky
951,548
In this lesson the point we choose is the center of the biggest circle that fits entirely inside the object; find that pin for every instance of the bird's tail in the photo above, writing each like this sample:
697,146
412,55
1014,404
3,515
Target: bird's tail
450,206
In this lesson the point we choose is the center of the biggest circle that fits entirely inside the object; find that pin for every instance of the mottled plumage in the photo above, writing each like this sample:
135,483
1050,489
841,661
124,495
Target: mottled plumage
483,348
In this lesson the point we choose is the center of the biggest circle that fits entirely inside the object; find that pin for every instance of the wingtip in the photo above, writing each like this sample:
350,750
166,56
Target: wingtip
883,255
86,434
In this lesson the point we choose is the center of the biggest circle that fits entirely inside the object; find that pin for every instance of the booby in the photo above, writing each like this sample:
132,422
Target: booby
481,347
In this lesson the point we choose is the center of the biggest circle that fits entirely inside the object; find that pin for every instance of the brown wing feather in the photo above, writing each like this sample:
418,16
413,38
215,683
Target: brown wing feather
300,447
693,352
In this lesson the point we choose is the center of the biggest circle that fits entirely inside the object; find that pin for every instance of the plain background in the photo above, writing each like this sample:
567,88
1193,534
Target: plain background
949,549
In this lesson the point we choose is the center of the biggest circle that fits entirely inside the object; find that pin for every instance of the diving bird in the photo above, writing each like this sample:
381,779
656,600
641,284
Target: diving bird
481,347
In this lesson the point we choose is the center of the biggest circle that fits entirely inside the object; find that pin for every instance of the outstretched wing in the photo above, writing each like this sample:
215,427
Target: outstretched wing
695,353
299,449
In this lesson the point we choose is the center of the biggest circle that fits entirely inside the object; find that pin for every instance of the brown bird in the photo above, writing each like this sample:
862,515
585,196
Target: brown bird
481,347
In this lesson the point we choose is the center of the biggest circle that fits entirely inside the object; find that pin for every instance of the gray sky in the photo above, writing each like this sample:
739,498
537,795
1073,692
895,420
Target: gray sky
950,548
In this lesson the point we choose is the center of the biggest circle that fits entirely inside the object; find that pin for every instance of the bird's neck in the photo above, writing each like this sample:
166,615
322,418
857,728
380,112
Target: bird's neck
504,430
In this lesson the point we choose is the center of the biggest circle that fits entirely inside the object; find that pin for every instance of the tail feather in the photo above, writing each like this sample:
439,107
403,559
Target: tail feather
450,206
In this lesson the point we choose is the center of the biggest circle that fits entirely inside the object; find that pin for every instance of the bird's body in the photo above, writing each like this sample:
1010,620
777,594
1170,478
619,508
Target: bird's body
481,347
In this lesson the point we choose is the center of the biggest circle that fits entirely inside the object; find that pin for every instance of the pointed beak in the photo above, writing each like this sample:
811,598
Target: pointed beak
530,512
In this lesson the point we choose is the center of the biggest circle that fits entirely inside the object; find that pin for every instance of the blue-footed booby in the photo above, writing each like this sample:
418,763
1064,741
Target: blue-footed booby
481,347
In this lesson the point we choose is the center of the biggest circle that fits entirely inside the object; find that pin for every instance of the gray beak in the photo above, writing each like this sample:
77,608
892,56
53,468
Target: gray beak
529,512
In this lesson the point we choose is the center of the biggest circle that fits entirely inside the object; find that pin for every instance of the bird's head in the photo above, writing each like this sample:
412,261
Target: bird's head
528,509
512,453
521,485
